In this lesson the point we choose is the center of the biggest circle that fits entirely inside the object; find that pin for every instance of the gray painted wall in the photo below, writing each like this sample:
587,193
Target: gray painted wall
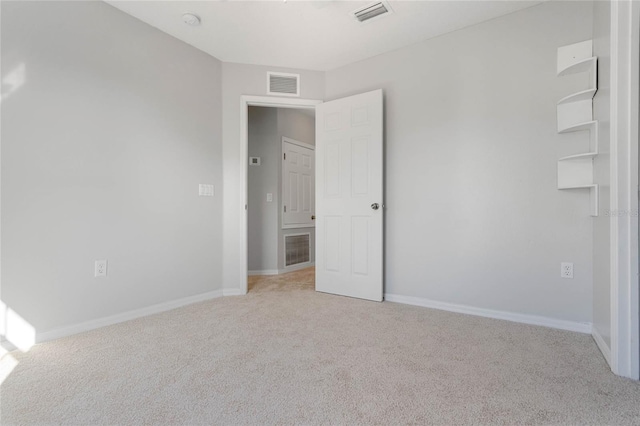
601,172
267,126
263,217
103,148
473,214
297,125
105,142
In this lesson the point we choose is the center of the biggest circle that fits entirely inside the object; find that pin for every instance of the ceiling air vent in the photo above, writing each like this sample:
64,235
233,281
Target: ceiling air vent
374,10
279,83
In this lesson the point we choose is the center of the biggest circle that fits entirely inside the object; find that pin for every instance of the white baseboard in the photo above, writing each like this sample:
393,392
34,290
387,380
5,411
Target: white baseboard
606,351
142,312
264,272
409,300
282,271
125,316
579,327
7,345
297,267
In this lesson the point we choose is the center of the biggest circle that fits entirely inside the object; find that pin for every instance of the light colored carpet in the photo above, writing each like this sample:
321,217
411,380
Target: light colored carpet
284,354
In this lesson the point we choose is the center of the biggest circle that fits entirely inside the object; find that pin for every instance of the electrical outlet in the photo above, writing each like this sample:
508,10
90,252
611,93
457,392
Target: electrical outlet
101,268
206,190
566,270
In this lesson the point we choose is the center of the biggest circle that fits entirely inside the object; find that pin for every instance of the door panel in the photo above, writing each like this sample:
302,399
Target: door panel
360,244
349,241
298,192
359,167
332,244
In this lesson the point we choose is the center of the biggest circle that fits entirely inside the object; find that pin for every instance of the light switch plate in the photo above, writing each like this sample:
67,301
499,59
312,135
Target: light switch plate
206,190
269,197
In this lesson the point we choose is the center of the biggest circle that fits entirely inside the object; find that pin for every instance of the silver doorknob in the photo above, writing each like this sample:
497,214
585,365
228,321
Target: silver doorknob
375,206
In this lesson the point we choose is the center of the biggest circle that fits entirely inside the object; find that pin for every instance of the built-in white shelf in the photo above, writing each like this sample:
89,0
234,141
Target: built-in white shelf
580,96
593,197
578,67
575,113
592,126
592,185
579,156
573,57
577,173
587,125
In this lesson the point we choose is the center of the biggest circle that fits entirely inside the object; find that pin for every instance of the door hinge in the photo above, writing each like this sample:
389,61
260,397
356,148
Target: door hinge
285,209
285,155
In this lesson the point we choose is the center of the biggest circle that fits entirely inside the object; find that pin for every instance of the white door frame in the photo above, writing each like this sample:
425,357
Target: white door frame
245,102
625,300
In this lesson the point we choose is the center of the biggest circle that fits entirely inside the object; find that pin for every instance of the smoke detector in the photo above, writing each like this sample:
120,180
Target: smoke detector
191,19
372,11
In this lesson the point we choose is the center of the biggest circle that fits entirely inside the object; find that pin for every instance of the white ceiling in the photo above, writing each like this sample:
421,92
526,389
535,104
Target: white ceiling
316,35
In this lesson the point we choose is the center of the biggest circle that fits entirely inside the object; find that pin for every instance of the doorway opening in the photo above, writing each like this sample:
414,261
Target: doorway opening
245,102
280,198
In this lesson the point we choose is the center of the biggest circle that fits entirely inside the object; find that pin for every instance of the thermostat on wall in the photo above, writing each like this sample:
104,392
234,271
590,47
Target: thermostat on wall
254,161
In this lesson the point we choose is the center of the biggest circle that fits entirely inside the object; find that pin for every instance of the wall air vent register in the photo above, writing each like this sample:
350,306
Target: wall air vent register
283,84
375,10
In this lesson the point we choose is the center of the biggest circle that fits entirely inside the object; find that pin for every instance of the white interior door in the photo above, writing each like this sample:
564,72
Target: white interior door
349,204
298,184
